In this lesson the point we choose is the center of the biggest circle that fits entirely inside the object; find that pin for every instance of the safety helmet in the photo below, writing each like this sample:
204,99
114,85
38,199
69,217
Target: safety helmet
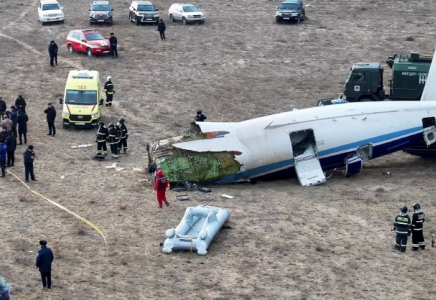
111,125
101,123
199,111
109,78
416,206
404,209
122,120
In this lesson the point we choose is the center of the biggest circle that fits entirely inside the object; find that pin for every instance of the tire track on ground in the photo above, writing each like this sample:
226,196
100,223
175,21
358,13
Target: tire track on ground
37,52
22,15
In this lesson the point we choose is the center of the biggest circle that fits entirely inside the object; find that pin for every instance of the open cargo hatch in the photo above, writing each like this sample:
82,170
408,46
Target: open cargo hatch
307,165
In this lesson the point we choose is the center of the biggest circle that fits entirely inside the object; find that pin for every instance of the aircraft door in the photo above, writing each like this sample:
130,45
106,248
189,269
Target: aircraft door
429,130
306,162
353,165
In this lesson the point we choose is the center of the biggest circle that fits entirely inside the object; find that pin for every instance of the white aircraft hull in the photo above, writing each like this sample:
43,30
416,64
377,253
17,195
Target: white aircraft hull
336,133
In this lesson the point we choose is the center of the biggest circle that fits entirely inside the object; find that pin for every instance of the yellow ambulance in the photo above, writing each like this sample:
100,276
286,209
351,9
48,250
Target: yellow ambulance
82,99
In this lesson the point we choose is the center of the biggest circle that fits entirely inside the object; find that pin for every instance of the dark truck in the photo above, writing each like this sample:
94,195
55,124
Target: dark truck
409,74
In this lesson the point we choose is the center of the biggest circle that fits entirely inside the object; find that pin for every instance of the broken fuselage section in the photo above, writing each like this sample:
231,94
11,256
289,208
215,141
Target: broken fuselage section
180,165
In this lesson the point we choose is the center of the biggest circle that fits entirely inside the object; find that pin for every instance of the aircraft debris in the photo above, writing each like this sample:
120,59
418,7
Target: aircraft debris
182,197
82,146
307,141
113,166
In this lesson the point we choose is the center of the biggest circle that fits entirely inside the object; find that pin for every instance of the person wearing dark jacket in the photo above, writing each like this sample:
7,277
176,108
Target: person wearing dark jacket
2,108
13,116
113,139
160,186
22,126
53,52
402,227
11,143
50,111
3,153
418,219
28,158
161,28
109,89
200,117
113,43
20,103
124,134
4,133
102,134
43,263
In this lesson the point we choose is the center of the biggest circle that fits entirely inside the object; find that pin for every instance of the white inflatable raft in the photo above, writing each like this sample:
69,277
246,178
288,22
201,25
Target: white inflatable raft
196,230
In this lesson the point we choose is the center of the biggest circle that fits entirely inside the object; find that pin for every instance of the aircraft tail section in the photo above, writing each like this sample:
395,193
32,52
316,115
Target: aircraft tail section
429,93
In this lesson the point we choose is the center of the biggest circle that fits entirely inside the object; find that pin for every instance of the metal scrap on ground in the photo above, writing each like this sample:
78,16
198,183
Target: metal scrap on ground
82,146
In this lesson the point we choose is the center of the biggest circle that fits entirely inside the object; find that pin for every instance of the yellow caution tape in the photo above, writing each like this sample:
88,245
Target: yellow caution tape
65,209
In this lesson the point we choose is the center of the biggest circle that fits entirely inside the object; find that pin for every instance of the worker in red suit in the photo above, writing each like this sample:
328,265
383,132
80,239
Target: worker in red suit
160,186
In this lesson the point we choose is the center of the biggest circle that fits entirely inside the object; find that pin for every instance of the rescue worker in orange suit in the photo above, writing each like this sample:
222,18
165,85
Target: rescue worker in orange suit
113,139
122,145
402,226
160,186
418,219
102,135
109,89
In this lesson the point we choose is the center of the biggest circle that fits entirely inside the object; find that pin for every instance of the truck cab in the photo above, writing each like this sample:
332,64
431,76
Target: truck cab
409,74
364,83
82,99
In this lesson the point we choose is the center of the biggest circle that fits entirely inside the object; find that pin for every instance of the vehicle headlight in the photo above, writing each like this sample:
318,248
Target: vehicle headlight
156,15
279,14
45,15
294,15
189,16
94,115
65,114
60,15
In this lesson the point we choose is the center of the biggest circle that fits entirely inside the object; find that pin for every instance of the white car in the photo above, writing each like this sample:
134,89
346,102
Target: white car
187,13
50,11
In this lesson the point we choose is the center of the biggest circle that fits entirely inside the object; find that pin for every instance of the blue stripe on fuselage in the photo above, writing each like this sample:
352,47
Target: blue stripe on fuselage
335,159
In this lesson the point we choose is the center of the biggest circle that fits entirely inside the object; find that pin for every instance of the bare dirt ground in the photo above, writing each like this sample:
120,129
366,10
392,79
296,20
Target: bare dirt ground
285,242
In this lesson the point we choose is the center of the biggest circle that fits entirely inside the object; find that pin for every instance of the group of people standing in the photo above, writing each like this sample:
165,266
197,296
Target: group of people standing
115,135
406,226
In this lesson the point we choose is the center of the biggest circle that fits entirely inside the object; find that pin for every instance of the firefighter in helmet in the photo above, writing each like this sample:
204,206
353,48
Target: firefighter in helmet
122,145
102,134
113,139
402,227
418,219
109,89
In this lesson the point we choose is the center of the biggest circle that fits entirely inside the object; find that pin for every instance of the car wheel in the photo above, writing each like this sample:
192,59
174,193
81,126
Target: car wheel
298,20
172,18
70,49
184,21
138,21
278,21
201,22
65,126
88,52
42,23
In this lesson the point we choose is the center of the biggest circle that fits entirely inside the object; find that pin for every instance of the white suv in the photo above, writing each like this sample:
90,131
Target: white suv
50,11
187,13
